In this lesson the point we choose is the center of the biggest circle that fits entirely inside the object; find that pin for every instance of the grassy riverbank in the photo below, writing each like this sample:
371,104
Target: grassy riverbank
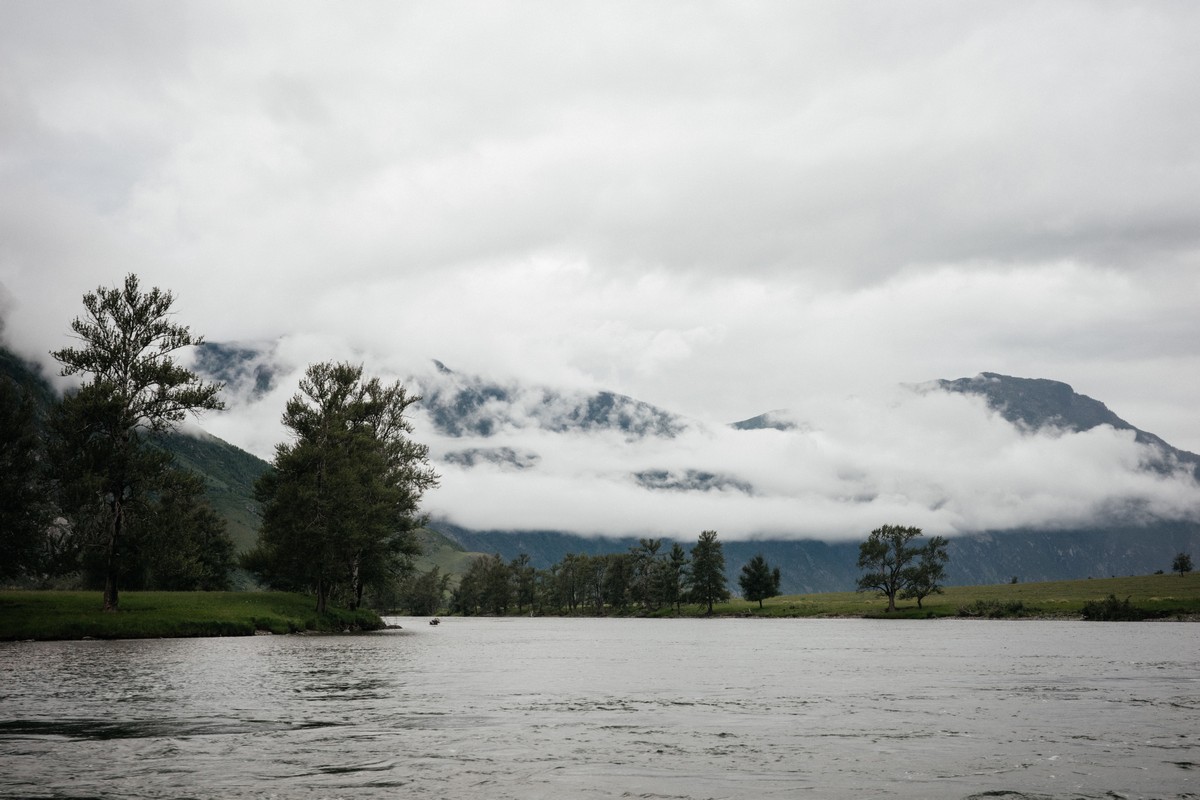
1164,596
148,615
151,615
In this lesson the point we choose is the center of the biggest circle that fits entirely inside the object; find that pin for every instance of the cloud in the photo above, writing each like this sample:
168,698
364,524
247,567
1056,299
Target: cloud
717,209
941,461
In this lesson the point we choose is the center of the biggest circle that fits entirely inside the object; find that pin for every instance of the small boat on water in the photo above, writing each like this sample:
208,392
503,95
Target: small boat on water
435,621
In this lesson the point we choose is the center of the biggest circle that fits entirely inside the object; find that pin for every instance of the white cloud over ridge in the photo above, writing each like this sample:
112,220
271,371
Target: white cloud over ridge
938,460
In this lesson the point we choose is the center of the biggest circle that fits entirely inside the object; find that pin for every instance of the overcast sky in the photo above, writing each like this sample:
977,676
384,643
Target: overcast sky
717,208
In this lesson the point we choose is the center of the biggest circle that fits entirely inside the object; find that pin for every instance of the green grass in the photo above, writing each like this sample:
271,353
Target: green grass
1164,595
147,615
152,615
441,552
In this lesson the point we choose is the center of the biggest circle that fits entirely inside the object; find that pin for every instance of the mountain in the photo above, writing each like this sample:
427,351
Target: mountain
229,472
237,365
464,405
229,475
26,375
474,409
772,420
1036,404
1110,548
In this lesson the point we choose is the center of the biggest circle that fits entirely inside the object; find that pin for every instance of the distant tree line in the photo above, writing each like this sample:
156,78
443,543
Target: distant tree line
643,578
650,578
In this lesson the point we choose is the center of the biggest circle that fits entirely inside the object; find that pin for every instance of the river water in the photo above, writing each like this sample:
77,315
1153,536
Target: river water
613,708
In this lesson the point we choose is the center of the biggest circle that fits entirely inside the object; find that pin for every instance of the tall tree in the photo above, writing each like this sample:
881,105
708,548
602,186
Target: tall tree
465,598
568,580
644,589
758,580
424,593
707,579
617,576
133,387
1182,564
672,576
180,543
925,578
886,557
341,503
497,585
524,581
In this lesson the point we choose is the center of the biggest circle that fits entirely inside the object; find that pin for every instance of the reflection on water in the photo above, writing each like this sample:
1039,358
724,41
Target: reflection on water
531,708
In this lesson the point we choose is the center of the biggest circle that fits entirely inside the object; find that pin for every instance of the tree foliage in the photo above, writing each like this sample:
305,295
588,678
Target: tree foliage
180,544
641,580
133,389
1182,564
341,503
424,593
925,578
887,560
673,571
758,580
706,581
24,514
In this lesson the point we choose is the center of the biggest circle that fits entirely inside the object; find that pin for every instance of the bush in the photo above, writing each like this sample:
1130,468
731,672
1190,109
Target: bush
1111,609
993,609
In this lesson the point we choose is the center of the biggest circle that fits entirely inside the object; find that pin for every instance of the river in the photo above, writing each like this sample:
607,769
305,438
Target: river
613,708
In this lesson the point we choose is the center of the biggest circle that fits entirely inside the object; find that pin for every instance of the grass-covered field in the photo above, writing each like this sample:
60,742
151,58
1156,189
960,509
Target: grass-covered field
76,615
1169,596
151,615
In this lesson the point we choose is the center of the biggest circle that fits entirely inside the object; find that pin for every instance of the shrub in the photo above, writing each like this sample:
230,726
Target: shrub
1110,609
993,609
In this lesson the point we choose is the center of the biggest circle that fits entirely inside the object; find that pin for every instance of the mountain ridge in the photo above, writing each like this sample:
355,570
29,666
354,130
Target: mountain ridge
808,565
1040,403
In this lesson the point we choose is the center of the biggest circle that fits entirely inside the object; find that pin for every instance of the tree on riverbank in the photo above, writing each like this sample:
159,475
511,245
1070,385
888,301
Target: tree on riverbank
758,581
134,389
706,580
341,504
926,577
885,556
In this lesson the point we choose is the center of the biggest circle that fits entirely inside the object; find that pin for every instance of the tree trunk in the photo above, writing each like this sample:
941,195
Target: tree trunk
356,587
110,558
322,590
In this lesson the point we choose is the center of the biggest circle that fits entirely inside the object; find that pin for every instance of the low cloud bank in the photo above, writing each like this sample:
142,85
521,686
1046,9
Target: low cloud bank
940,461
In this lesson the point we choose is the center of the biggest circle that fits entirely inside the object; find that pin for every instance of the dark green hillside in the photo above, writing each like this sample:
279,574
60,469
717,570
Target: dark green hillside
442,552
229,473
28,376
